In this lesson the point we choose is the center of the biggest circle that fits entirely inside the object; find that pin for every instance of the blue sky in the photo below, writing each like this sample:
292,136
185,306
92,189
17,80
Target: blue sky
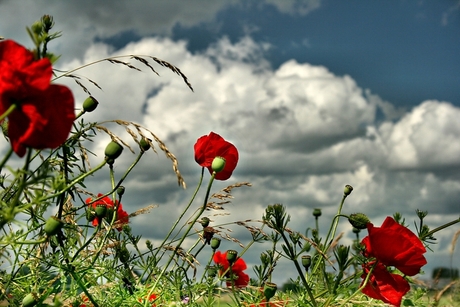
406,51
315,94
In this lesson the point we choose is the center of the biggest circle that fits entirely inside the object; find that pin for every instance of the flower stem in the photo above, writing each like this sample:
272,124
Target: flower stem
429,234
197,216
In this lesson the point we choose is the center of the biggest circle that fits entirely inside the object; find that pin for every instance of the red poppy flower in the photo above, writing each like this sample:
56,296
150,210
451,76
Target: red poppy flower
213,145
264,303
241,279
384,286
152,298
395,245
44,112
122,216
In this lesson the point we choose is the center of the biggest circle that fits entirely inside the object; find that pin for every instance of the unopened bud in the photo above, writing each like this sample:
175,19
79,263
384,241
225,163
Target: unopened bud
205,222
101,211
359,220
90,104
121,190
215,243
52,226
316,212
144,144
30,300
347,190
306,261
113,151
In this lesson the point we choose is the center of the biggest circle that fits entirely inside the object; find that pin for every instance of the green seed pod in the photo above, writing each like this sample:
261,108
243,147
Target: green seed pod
121,190
215,243
205,222
30,300
144,144
101,211
90,104
4,124
269,290
113,150
316,212
52,226
231,256
347,190
218,164
123,254
211,270
90,216
306,261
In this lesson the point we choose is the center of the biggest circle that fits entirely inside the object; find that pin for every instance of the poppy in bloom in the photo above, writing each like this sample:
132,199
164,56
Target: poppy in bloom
122,216
395,245
269,304
152,298
239,278
383,285
44,112
211,146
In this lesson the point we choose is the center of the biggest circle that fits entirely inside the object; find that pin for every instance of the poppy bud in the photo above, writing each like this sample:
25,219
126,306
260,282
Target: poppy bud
101,211
347,190
37,27
205,222
211,270
359,220
218,164
316,212
113,151
4,124
90,216
90,104
231,256
123,254
356,230
144,144
53,225
121,190
30,300
270,290
306,261
215,243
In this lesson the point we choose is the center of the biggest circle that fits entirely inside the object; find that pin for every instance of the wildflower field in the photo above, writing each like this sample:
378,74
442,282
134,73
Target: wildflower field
65,244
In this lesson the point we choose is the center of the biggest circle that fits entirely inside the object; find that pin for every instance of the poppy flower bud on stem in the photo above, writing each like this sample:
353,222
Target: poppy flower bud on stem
215,243
316,212
231,256
121,190
53,225
218,164
347,190
306,261
144,144
30,300
359,220
113,151
90,104
205,222
211,270
101,211
270,290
